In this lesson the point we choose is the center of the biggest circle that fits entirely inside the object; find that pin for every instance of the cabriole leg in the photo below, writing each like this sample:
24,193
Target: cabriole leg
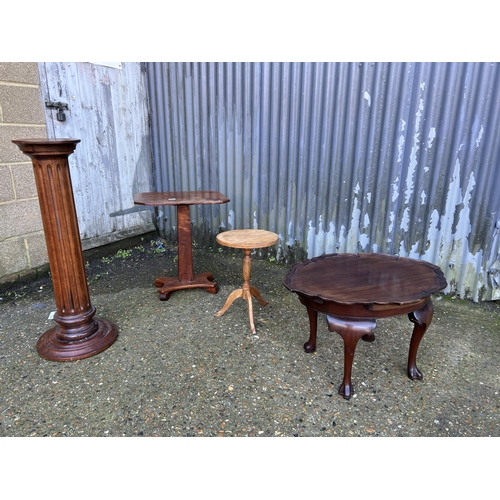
310,345
422,319
351,330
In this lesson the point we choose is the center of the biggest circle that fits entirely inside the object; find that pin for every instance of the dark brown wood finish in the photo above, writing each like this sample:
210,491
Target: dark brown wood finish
185,273
78,335
353,290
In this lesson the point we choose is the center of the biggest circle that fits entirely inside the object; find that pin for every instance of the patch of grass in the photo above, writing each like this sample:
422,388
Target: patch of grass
123,254
16,294
93,279
157,248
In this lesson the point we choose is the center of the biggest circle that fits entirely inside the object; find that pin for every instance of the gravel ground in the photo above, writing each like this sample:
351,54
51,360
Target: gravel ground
177,370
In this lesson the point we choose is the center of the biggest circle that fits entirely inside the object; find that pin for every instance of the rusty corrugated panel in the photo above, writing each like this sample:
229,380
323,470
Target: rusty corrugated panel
396,158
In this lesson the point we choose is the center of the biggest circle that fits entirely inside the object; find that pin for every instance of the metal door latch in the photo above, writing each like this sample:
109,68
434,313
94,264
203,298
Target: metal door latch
60,106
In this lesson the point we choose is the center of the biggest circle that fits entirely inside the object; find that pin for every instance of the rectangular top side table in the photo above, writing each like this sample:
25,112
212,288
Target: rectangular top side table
185,273
353,290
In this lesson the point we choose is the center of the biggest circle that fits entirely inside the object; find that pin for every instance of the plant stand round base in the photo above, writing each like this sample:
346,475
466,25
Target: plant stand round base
51,347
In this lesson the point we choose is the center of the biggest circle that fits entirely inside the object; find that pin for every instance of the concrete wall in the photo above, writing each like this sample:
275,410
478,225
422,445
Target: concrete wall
22,241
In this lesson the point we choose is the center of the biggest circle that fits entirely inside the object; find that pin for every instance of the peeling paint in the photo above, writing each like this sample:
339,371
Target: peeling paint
291,240
405,220
364,240
446,244
401,200
395,189
446,238
330,239
401,143
366,222
353,233
413,155
478,140
431,137
230,219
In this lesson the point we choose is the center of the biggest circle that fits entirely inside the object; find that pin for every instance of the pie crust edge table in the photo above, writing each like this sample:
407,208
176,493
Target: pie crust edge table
353,301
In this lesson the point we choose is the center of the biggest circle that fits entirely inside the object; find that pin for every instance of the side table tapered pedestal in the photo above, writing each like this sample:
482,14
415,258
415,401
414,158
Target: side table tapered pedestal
77,334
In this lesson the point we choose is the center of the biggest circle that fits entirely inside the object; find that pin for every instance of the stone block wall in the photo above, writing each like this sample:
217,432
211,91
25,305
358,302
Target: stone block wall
22,241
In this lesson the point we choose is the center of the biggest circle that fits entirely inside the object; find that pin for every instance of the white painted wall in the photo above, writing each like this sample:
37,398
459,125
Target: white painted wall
108,112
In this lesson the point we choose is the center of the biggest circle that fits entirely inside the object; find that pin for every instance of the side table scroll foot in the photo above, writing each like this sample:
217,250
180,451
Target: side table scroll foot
167,284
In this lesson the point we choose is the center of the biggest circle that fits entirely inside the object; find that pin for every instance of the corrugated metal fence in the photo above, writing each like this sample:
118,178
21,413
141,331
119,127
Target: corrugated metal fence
399,158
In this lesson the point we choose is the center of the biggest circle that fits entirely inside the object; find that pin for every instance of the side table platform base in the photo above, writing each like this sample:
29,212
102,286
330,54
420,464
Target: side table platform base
167,285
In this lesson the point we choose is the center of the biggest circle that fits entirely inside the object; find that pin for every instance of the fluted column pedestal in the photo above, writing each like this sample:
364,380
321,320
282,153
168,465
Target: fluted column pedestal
77,334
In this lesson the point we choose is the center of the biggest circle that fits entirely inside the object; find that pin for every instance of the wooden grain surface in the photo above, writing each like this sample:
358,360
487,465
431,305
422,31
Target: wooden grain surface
247,238
180,198
365,279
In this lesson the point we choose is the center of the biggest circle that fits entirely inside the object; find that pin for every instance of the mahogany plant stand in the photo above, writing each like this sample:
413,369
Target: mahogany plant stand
77,334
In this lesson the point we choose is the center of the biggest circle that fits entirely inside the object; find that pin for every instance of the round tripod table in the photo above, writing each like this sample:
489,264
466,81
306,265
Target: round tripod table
247,239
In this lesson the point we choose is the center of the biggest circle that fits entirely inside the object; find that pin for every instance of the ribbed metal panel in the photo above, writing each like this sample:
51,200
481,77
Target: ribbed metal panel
399,158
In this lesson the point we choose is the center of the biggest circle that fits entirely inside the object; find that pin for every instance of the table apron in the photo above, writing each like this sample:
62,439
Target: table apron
361,310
